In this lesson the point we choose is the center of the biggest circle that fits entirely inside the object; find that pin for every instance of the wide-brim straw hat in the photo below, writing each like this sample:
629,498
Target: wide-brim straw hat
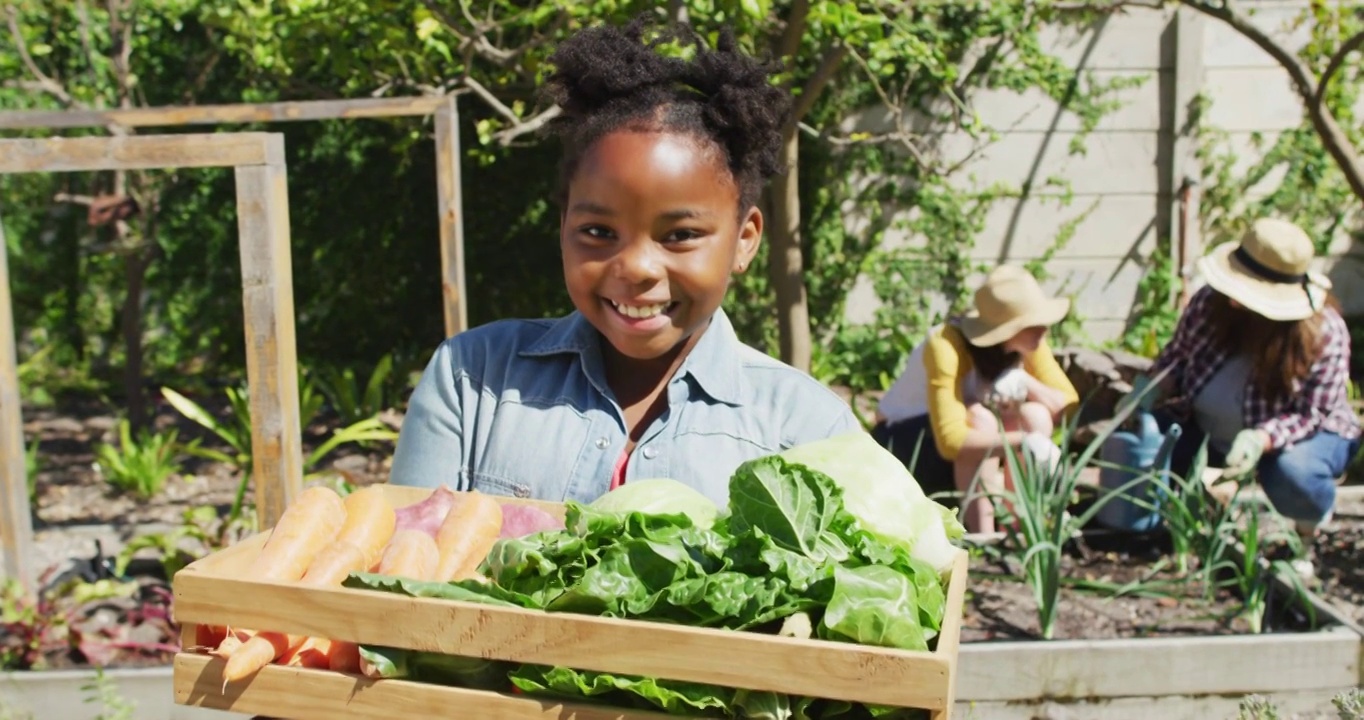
1268,271
1010,301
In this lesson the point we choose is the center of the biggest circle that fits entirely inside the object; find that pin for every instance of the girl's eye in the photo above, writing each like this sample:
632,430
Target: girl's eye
683,234
598,232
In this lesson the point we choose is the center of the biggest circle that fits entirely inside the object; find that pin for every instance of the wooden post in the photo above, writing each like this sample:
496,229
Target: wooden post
16,521
451,219
1186,247
271,354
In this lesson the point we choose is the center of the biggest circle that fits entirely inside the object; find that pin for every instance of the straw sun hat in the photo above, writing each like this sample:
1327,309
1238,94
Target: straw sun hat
1009,301
1268,271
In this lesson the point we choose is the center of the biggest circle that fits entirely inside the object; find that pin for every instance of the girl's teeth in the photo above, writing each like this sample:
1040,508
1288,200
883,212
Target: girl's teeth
640,312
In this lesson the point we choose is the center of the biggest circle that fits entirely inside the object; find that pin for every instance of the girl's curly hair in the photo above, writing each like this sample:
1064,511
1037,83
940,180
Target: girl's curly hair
610,78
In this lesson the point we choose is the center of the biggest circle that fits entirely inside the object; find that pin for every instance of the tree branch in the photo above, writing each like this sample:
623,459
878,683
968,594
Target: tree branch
497,105
1333,137
505,136
789,45
477,44
43,81
1337,60
816,83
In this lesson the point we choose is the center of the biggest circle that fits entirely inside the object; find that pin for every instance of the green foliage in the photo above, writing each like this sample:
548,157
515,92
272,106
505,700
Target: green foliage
200,529
353,401
142,465
1295,178
104,691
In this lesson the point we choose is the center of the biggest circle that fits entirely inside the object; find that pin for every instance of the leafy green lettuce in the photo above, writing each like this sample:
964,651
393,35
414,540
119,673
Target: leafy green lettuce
788,544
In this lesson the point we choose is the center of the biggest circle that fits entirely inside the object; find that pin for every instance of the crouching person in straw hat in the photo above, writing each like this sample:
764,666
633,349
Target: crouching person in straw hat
942,417
1259,366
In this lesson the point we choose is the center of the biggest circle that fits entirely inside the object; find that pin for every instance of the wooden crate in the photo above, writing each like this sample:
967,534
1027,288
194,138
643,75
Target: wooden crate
212,591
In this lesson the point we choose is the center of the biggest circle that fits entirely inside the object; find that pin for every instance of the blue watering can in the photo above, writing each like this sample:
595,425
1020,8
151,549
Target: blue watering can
1141,450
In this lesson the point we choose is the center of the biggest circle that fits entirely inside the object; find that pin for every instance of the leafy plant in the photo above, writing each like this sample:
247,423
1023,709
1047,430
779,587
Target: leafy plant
1349,704
104,691
236,433
1036,513
1252,575
140,465
199,526
32,627
352,402
1256,707
33,464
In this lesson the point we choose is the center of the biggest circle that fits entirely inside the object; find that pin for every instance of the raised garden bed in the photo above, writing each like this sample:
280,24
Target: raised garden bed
1339,552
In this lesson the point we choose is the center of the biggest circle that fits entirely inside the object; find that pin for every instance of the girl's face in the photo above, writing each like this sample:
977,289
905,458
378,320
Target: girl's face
1026,340
650,236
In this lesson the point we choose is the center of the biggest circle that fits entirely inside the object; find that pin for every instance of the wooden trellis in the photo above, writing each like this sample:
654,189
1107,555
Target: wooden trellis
267,301
442,107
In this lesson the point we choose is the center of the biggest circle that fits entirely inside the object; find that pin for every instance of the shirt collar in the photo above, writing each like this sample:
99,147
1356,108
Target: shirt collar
714,363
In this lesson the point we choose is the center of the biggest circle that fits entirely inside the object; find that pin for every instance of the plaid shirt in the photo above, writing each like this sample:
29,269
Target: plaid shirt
1320,402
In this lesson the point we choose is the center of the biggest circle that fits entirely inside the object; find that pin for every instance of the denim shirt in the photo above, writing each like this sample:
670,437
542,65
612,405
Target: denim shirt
521,408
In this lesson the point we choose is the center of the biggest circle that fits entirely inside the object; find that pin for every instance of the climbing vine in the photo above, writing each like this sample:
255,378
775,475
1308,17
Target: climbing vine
1294,176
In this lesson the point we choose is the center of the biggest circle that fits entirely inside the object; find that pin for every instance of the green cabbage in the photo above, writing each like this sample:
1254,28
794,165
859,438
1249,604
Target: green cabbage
884,497
659,496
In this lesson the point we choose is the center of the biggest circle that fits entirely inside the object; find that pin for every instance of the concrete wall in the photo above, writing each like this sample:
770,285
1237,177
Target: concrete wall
1136,158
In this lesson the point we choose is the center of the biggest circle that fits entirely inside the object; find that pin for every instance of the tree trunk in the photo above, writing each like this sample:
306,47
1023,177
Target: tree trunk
785,263
135,275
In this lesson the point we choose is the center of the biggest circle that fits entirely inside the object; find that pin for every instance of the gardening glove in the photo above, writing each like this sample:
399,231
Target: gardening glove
1008,391
1245,453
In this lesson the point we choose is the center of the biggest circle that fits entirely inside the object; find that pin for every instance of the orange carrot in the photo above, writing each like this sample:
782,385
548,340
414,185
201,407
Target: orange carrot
345,658
254,654
309,524
467,535
370,522
313,653
410,554
209,635
335,563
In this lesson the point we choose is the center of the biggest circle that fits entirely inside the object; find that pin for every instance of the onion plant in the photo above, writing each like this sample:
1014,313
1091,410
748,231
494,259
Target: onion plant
1036,512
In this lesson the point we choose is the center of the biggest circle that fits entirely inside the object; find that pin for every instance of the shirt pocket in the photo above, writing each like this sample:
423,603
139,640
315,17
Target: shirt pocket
530,450
714,442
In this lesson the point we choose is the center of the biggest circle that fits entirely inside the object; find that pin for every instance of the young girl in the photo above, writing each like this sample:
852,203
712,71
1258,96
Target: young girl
664,161
966,377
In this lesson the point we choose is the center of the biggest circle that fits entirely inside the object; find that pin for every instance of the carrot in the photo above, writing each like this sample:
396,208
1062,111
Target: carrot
209,635
335,563
313,653
309,524
370,522
254,654
410,554
345,658
306,528
467,535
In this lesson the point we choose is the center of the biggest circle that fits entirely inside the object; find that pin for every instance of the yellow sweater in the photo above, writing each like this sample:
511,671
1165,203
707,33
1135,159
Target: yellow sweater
949,362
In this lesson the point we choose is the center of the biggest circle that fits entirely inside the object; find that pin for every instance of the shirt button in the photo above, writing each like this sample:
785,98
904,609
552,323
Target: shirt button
650,453
603,443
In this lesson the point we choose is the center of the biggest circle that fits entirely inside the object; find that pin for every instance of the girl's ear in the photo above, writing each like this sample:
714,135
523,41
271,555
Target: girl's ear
750,235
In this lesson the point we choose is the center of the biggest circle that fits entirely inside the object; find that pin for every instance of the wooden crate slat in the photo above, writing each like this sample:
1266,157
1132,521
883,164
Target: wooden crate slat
299,694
